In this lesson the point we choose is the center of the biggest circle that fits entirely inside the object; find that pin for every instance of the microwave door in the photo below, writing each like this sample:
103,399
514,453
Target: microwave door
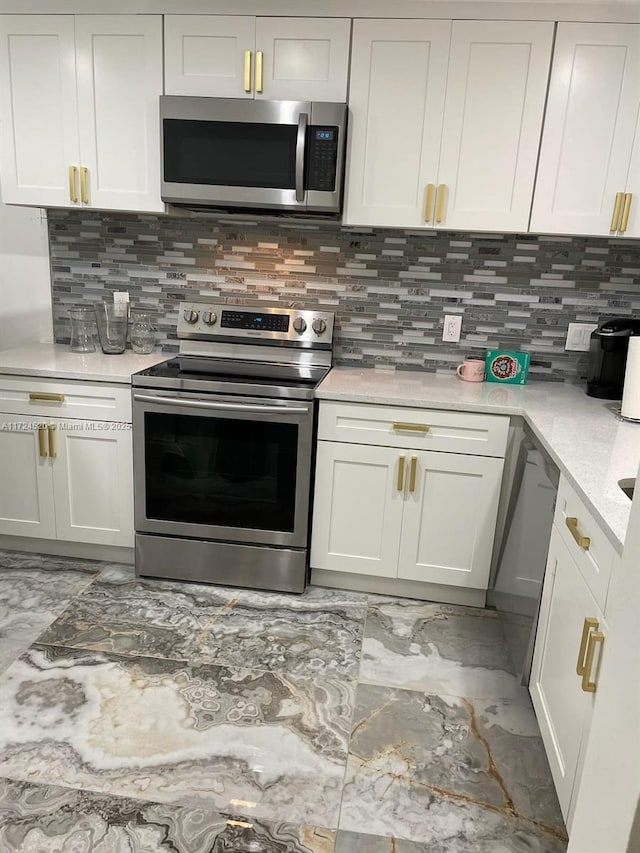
235,153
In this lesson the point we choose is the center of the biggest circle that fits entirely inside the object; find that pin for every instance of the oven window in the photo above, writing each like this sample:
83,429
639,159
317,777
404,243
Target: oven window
218,471
232,154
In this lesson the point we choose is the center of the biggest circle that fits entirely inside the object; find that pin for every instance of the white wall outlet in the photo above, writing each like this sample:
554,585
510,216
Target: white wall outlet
452,328
578,335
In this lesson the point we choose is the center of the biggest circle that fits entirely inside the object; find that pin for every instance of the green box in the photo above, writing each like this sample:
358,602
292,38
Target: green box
507,366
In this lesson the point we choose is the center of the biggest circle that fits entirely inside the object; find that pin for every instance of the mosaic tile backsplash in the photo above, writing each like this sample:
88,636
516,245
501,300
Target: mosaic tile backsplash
390,289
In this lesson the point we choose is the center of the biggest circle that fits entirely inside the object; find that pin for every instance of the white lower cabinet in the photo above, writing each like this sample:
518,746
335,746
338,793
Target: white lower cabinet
393,511
65,479
26,493
93,484
569,645
449,519
357,520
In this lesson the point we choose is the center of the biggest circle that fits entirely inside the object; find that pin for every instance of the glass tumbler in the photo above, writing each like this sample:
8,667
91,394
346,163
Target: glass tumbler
112,326
82,329
141,331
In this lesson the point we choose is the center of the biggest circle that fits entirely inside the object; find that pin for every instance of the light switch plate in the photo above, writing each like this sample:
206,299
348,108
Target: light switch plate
578,335
452,327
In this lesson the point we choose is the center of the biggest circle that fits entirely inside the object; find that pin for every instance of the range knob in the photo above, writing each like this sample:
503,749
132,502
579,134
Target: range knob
299,324
191,316
209,317
319,325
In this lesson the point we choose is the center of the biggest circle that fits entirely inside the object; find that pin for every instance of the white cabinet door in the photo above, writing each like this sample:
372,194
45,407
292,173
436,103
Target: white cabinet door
449,518
39,125
397,89
119,82
26,491
206,55
302,59
562,707
93,483
357,512
589,127
633,187
496,89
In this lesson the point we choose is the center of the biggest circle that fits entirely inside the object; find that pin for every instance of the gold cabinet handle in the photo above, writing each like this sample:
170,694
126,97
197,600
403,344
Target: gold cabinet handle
430,195
617,209
259,63
412,473
582,541
46,397
84,194
590,624
247,71
42,440
440,200
626,209
410,427
53,450
400,483
73,184
588,685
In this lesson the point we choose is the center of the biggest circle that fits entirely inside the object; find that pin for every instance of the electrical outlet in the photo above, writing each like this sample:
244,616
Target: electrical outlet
578,336
452,328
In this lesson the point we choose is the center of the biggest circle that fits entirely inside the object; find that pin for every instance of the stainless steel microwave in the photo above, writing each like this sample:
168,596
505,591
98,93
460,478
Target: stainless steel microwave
267,155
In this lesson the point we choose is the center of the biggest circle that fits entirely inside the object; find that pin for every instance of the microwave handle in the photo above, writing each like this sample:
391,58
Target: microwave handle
301,144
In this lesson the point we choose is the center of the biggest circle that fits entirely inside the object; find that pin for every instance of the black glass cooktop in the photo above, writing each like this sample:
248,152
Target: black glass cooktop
219,375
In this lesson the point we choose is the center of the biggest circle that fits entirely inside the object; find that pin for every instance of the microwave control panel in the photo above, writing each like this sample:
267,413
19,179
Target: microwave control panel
322,157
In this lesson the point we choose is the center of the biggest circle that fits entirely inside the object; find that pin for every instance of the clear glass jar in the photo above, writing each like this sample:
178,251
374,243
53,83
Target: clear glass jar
83,326
141,331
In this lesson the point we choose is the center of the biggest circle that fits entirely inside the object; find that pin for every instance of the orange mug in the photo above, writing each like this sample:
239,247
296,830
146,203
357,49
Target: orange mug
471,370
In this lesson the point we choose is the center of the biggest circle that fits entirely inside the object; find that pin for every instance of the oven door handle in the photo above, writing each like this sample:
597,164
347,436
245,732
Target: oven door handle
229,407
301,144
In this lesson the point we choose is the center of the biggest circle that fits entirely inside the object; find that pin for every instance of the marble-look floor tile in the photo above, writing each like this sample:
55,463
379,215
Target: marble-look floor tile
34,590
441,769
51,819
438,648
512,838
317,632
126,615
261,744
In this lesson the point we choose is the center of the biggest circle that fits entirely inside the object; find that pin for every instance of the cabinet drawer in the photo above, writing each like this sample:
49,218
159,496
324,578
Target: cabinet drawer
419,429
587,543
86,400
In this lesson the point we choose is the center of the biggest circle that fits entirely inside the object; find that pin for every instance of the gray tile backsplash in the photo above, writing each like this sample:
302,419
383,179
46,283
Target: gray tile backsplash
390,289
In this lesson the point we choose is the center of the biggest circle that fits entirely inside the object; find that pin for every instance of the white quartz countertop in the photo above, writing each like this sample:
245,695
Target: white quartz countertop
588,442
58,362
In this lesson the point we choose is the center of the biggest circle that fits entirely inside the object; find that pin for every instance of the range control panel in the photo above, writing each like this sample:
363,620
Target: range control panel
220,320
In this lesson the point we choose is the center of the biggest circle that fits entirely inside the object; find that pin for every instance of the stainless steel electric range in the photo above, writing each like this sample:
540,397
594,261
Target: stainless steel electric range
223,444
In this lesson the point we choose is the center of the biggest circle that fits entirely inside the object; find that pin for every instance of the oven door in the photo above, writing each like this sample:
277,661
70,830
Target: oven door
224,468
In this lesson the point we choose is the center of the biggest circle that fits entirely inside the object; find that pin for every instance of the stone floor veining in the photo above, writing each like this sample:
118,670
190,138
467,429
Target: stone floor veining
142,715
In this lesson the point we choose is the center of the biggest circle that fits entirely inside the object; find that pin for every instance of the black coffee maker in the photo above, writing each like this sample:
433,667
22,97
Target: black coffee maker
608,357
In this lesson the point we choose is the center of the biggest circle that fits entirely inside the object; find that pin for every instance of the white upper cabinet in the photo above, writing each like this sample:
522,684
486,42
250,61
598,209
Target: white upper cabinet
590,124
79,104
228,56
208,55
303,58
496,89
39,126
446,122
396,100
633,187
119,82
